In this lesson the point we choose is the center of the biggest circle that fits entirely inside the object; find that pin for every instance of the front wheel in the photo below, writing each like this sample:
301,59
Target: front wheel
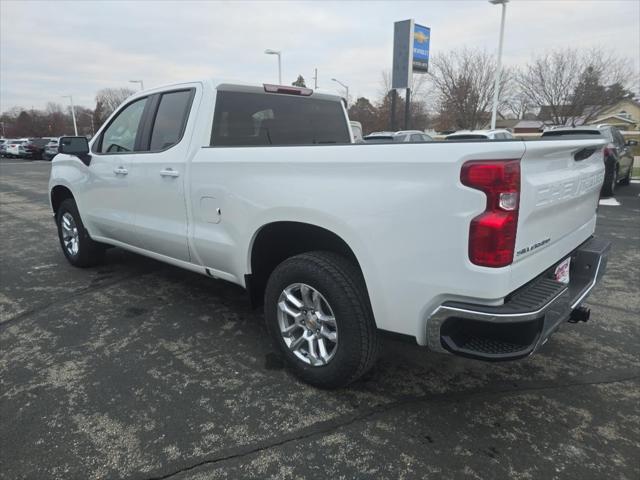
318,315
77,245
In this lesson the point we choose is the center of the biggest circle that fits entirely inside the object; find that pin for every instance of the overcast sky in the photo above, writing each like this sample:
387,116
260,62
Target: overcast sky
49,49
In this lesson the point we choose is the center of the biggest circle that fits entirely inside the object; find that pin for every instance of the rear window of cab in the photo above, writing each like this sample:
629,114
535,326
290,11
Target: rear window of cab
254,119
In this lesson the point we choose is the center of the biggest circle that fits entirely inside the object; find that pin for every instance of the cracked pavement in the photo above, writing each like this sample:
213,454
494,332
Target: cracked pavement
136,369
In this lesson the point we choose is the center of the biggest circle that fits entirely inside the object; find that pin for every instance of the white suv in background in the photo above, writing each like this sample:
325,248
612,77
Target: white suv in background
398,137
15,148
498,134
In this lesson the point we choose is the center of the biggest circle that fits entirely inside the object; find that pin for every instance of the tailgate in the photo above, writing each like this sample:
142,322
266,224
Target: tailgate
560,188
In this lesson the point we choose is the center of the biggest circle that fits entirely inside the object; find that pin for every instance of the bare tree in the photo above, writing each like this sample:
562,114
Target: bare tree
299,82
464,83
570,85
518,104
418,117
107,100
419,85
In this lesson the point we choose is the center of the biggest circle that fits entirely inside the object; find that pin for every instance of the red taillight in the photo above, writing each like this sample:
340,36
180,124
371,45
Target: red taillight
608,151
492,234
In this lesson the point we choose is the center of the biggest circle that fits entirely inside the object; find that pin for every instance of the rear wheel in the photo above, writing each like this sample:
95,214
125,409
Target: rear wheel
75,241
318,315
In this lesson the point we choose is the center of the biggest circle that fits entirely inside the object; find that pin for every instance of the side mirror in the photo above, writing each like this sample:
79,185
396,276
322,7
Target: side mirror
74,146
78,146
631,143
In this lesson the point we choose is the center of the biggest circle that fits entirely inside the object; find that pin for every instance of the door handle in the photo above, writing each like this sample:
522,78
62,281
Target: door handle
169,172
120,171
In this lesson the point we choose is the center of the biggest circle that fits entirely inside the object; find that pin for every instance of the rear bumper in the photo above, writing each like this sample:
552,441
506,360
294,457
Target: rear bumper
526,319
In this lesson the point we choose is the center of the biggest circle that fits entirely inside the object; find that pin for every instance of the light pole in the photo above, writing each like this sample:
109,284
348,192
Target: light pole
346,87
496,84
73,113
138,81
268,51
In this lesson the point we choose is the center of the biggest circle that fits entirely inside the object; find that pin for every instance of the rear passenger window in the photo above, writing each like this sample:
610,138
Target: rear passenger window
416,137
170,120
243,118
120,135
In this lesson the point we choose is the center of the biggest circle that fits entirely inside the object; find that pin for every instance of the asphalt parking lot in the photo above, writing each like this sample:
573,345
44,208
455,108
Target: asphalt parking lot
139,370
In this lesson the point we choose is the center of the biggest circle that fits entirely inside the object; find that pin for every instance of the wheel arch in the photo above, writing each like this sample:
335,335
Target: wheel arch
276,241
58,194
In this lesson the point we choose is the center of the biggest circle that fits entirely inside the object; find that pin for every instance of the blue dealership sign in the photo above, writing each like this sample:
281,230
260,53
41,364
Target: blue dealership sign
410,52
421,39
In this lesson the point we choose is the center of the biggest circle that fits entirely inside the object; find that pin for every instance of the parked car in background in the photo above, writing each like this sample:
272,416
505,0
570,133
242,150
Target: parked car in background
618,158
51,149
497,134
398,137
15,148
34,148
356,130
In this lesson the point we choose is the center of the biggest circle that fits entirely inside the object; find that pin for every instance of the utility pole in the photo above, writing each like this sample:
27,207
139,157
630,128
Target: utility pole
394,99
315,79
496,84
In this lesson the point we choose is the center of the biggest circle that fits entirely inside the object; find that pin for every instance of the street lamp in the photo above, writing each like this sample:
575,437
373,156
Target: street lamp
268,51
73,113
496,84
346,87
138,81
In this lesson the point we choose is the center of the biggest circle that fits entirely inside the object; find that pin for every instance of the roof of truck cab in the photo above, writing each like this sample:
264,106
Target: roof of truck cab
260,89
237,86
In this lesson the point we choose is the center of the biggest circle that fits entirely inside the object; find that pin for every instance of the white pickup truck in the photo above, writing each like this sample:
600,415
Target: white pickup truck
474,248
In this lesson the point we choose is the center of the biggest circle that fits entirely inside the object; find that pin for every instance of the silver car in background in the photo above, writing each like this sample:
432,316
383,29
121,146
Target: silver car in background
51,149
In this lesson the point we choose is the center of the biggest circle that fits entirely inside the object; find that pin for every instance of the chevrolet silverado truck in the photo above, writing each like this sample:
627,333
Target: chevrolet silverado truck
473,248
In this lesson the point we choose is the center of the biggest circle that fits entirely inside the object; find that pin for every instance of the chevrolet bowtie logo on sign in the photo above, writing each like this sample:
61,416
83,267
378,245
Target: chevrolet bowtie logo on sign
420,37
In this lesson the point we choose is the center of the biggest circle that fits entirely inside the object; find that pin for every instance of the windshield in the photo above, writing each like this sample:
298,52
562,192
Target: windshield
243,118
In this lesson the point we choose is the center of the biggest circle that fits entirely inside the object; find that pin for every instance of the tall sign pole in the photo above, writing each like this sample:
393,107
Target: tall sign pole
410,54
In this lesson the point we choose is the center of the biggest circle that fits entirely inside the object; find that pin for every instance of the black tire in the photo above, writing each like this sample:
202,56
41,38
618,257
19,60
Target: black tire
610,180
341,284
89,253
